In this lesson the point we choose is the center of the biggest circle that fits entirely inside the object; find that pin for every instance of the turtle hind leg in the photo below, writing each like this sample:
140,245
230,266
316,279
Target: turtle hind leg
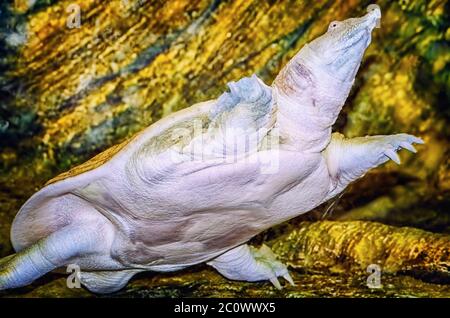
56,250
105,282
247,263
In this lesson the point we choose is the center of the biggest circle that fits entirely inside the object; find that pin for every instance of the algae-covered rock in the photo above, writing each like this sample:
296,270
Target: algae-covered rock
207,283
69,91
355,245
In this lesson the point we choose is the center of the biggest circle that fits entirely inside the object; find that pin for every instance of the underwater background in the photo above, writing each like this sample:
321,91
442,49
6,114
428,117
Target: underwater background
68,93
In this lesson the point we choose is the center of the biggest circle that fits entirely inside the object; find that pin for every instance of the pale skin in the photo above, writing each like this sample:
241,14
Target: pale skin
141,211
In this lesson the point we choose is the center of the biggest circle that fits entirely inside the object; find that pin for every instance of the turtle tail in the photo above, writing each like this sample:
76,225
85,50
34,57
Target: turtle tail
22,268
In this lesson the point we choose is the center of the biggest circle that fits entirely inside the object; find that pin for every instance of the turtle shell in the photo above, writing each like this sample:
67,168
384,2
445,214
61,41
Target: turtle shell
40,212
92,163
248,103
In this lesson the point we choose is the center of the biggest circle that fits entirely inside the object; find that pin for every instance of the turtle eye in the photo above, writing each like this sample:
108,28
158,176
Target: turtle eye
333,25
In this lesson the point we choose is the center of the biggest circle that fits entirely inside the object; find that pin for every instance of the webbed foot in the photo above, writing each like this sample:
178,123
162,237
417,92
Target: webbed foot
389,145
250,264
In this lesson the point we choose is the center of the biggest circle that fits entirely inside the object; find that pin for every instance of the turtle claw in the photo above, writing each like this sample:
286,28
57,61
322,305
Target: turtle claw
273,267
393,156
392,143
275,282
417,140
289,279
408,146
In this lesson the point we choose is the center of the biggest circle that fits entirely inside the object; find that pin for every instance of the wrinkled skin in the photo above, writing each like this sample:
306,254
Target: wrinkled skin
149,208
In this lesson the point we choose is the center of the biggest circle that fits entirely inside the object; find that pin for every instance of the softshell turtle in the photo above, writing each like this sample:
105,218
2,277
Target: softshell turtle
197,185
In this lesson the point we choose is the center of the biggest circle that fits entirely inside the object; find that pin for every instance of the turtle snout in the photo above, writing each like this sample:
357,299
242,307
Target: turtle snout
374,9
374,15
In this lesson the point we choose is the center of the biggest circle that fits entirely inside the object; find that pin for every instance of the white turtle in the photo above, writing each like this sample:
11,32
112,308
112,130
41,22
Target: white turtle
197,185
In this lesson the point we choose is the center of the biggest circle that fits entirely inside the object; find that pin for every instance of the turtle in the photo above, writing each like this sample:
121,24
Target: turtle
197,185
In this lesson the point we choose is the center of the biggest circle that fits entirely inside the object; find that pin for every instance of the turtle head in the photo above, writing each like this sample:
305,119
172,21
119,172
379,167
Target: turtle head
318,79
340,50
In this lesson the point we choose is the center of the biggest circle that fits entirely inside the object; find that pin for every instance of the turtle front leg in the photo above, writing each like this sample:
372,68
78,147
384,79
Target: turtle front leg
247,263
350,158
